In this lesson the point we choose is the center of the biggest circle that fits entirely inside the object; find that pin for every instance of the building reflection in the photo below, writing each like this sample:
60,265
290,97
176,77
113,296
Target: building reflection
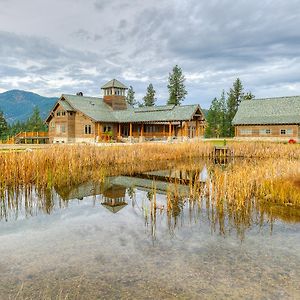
113,198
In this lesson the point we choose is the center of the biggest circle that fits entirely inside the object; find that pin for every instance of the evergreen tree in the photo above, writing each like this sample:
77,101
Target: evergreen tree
248,96
3,126
149,99
235,96
16,128
35,122
176,87
214,119
223,115
222,111
130,98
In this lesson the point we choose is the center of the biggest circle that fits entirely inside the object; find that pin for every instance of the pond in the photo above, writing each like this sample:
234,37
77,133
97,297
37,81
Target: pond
145,236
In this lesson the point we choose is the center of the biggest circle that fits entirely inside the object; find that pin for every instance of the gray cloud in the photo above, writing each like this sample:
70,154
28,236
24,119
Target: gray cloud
81,46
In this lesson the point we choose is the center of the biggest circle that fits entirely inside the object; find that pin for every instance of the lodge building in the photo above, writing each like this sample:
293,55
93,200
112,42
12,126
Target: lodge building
268,119
77,118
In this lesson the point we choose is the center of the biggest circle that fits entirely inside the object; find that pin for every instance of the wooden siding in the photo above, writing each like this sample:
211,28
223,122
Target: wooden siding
252,131
116,102
74,126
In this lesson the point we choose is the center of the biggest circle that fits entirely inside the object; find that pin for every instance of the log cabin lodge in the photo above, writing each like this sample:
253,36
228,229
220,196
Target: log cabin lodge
77,118
268,119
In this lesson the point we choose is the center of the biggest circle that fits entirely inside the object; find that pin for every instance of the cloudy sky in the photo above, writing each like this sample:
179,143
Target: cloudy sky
64,46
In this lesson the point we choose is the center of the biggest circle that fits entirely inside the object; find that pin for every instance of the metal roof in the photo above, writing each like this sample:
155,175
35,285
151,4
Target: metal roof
114,83
92,107
175,113
99,111
280,110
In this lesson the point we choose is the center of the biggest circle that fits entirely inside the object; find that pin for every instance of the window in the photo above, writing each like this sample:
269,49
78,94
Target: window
52,124
58,113
71,114
107,128
63,128
87,129
246,131
265,131
63,113
288,131
58,128
153,128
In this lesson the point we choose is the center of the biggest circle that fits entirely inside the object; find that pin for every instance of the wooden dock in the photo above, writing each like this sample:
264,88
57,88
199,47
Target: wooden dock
221,152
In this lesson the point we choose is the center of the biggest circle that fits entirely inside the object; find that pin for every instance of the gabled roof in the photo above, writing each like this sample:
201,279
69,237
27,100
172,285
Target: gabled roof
114,83
114,208
99,111
92,107
281,110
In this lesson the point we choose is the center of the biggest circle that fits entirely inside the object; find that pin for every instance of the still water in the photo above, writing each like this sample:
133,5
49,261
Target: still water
110,241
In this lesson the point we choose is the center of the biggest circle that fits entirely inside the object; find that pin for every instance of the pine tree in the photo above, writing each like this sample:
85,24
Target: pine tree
176,87
214,119
223,115
130,98
149,99
248,96
35,122
3,126
235,96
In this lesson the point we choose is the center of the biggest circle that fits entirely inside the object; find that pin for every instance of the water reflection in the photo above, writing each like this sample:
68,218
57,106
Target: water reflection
172,196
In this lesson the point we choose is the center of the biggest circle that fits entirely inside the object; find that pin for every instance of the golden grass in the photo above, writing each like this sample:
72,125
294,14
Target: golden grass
63,165
268,180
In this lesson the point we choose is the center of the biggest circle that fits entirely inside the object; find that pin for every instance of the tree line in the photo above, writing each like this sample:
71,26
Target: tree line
222,111
176,88
218,119
33,123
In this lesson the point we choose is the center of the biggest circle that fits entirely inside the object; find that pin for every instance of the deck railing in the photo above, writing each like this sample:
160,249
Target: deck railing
25,135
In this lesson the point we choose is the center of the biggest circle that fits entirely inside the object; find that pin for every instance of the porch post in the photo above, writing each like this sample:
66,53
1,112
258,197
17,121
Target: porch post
180,128
170,129
170,132
119,131
142,133
197,128
130,129
186,129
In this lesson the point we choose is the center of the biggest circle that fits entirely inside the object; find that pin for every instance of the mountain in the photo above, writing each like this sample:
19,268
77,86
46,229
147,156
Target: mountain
17,105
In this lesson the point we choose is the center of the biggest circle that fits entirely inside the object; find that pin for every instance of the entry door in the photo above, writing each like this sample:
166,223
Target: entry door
125,130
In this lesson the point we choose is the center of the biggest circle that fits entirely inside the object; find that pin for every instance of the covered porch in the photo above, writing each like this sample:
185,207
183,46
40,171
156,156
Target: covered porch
160,130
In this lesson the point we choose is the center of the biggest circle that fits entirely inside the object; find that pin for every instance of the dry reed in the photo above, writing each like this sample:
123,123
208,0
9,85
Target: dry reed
65,165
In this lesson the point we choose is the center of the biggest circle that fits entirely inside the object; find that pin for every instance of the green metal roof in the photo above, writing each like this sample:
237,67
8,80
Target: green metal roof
114,83
92,107
175,113
65,105
99,111
281,110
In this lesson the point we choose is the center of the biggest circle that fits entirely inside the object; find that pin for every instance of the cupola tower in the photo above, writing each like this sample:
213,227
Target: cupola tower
114,94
